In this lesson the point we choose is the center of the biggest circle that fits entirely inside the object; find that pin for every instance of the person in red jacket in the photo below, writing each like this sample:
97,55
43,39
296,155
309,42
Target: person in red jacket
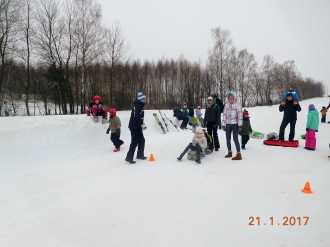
96,108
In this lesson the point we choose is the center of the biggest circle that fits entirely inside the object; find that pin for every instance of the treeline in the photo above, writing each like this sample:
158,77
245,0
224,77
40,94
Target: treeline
58,52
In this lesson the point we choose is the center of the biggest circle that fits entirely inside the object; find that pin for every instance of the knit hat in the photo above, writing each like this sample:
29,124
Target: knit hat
215,96
210,97
141,96
245,113
230,94
184,105
199,130
311,107
199,107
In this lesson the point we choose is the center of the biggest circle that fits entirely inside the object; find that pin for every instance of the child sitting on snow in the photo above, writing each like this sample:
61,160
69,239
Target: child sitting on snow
96,108
198,144
246,129
114,127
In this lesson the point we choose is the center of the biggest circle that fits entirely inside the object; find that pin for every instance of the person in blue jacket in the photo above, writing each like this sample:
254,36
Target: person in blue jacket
293,93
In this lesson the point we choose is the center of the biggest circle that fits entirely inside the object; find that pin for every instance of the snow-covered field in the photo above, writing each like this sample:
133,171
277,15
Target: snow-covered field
61,185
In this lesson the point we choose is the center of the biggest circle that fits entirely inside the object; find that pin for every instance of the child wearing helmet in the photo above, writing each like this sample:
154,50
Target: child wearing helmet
114,127
96,108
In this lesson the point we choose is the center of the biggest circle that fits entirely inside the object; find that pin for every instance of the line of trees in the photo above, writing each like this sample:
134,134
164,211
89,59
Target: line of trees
58,52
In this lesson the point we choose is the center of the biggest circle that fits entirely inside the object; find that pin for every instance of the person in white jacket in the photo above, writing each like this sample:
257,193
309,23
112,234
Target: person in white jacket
6,109
198,144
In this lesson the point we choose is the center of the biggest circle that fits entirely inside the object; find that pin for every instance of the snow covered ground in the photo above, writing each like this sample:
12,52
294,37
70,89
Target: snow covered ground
61,185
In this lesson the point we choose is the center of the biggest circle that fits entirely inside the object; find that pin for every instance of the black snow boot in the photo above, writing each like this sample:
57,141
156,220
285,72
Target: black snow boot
130,161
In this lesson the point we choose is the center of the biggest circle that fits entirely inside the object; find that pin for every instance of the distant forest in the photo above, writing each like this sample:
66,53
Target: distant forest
57,52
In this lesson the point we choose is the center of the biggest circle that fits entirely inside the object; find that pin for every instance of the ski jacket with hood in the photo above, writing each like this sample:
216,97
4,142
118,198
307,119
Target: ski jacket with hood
137,116
313,120
232,112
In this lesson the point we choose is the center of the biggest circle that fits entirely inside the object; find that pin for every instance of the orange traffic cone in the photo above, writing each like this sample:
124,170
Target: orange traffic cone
307,189
151,157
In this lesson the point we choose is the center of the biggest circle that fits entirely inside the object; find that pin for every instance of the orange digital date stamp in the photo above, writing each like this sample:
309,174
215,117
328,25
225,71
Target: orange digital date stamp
286,221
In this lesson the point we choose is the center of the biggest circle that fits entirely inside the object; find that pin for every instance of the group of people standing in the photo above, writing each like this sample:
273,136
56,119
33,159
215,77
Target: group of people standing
233,121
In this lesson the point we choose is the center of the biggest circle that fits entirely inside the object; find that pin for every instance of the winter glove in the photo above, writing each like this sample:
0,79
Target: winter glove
307,129
118,132
224,128
108,130
239,129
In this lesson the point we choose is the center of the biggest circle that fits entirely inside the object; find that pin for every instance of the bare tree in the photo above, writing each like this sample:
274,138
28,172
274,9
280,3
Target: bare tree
218,57
89,36
9,12
26,28
116,51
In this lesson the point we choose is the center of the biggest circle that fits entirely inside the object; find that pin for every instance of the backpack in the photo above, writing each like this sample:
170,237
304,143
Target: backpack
209,139
272,136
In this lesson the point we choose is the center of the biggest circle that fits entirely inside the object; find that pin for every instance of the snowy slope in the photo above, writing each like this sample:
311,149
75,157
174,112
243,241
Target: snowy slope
61,185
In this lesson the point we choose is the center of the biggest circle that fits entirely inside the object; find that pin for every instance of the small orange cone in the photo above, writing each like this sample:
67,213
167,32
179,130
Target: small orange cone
307,189
151,157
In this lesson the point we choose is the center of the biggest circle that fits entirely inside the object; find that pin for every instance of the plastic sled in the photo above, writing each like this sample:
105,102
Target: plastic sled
293,144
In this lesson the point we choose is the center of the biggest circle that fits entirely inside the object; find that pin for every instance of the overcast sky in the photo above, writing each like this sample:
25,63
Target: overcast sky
296,30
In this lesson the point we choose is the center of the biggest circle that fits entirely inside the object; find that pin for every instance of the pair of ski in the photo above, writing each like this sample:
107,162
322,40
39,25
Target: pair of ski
160,123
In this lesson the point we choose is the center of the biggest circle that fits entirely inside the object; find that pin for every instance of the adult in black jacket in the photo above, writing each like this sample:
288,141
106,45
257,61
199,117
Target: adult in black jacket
211,120
220,104
290,108
136,126
179,115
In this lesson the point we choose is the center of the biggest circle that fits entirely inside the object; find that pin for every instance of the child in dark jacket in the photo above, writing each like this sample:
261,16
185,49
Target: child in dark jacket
114,127
323,114
246,129
179,115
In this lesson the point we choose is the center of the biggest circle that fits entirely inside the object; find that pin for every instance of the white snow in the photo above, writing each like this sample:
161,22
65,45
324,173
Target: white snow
61,185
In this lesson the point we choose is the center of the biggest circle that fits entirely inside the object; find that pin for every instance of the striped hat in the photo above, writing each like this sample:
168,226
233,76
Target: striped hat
141,96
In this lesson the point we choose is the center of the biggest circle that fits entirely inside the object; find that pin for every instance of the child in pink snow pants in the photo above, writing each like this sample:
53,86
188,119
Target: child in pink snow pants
312,127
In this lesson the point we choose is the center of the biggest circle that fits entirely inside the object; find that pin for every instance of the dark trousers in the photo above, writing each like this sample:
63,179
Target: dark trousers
7,114
136,141
212,130
323,119
190,146
245,139
184,121
116,140
284,123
